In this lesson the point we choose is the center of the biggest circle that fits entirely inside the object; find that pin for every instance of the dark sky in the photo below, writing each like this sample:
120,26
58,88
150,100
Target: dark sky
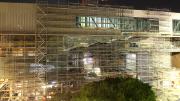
173,5
144,4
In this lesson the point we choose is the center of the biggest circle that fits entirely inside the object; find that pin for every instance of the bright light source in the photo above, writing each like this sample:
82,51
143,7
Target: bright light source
1,80
19,85
166,84
97,71
88,54
49,97
47,86
88,61
84,44
53,82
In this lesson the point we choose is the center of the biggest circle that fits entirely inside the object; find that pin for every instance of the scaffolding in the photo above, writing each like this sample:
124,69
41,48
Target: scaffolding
76,44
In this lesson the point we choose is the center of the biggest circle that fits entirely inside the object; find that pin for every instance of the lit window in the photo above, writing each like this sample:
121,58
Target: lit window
18,52
124,24
31,53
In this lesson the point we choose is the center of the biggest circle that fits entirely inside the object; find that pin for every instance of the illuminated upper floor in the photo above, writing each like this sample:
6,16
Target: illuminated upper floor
23,18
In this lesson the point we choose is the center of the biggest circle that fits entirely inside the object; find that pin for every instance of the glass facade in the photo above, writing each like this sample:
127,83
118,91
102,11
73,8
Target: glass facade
124,24
176,26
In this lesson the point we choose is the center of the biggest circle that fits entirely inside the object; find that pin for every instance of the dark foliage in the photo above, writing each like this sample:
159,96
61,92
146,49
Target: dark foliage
116,89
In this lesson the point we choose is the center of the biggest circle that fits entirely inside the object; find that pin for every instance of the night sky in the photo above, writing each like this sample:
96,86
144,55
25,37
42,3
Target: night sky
173,5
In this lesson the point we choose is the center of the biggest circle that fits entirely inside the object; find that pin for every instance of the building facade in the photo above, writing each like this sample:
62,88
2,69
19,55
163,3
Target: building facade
47,49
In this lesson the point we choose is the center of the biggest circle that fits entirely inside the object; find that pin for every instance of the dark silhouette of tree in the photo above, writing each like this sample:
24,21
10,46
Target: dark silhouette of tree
116,89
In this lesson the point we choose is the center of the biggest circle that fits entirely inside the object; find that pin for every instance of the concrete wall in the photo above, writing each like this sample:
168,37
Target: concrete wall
16,17
165,19
161,60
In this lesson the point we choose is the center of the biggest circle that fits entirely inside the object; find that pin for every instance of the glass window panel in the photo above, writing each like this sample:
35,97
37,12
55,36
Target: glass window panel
122,23
176,26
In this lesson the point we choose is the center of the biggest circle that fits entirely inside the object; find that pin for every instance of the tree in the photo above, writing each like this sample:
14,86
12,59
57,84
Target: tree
116,89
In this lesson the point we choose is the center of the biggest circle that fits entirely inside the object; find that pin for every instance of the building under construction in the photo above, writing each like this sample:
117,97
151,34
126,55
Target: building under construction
48,49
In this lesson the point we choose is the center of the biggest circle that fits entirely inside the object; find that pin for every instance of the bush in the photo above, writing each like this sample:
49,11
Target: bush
116,89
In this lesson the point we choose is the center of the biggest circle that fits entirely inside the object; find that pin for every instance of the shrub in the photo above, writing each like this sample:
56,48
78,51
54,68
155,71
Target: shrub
116,89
